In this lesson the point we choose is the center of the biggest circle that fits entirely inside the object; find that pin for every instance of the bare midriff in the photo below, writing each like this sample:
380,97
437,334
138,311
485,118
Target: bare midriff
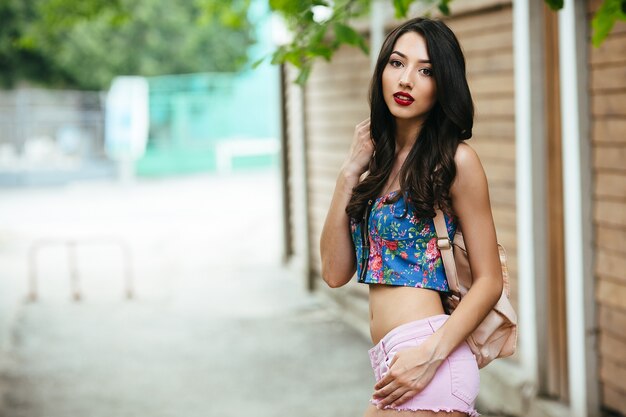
391,306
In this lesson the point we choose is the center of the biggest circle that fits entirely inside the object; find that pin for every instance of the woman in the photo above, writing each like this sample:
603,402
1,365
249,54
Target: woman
406,159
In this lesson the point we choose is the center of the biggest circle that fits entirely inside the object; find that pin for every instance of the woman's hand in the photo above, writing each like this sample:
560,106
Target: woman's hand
409,373
361,150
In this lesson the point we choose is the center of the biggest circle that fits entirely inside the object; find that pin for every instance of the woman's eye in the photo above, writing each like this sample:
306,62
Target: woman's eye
426,71
395,63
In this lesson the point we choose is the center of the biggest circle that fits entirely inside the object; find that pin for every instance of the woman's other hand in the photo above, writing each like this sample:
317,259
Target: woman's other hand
336,246
361,150
410,371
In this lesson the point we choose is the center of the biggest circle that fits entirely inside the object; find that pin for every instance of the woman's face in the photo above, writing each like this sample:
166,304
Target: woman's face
408,84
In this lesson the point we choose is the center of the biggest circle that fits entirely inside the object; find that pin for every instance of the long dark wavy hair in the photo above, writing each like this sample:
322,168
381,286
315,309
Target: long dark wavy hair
429,168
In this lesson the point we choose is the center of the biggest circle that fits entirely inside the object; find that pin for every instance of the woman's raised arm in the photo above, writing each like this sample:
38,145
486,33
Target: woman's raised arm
336,248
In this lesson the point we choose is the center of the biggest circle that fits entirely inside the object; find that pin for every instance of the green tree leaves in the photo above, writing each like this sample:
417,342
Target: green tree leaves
85,43
555,4
345,34
401,7
609,12
20,57
315,39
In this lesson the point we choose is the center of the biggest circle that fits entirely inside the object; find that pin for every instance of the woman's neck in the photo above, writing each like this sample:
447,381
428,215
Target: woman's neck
406,134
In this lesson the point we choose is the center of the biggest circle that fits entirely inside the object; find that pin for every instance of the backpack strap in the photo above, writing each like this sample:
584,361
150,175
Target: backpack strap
445,247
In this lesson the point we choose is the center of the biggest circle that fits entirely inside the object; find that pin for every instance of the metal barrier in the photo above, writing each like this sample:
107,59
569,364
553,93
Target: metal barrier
72,244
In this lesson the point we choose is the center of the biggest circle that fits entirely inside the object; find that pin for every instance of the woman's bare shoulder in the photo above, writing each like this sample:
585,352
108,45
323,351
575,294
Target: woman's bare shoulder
466,157
469,170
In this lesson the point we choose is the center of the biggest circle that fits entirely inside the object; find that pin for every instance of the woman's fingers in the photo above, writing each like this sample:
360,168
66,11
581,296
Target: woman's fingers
363,124
404,398
389,384
361,149
364,130
393,397
409,373
386,380
390,375
400,382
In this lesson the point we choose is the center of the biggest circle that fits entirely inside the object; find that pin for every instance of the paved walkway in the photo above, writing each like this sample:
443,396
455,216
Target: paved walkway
218,327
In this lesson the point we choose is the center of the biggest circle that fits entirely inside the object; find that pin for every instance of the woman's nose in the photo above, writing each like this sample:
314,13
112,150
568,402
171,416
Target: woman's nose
405,81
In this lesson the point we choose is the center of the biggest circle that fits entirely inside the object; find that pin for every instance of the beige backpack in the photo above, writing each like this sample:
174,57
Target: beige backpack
496,336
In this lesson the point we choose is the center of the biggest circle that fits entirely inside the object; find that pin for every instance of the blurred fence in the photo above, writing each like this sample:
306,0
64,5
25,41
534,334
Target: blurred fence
50,136
207,122
198,120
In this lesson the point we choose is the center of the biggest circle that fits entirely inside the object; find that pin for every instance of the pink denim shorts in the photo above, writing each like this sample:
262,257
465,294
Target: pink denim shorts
455,384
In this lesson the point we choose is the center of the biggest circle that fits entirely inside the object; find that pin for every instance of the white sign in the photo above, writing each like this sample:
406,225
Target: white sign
126,118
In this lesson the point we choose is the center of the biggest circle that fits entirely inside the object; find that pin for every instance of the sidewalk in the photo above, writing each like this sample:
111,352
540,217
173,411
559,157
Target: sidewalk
218,328
280,353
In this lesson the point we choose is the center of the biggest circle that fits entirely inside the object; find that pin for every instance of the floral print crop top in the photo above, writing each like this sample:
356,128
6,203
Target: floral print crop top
403,248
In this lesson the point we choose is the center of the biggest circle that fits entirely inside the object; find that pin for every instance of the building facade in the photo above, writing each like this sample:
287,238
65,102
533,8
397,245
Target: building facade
550,129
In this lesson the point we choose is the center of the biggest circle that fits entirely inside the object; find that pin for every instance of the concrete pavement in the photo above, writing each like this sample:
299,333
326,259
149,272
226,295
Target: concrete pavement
281,354
218,327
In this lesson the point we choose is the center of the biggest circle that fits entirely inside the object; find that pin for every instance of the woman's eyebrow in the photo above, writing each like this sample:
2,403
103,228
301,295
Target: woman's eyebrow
424,61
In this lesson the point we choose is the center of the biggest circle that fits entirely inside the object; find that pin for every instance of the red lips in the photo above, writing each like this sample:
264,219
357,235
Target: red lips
403,99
